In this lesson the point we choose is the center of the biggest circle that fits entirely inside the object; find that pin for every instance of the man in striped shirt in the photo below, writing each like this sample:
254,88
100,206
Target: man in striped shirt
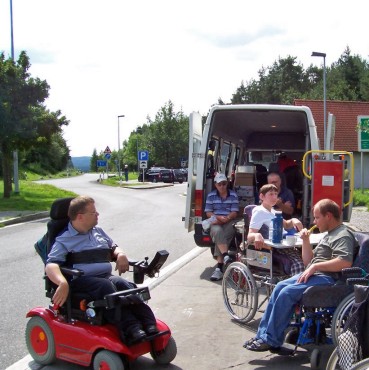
222,206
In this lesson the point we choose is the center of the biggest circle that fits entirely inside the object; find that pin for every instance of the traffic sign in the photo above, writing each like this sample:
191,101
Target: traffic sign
143,164
107,150
100,163
143,155
363,134
107,155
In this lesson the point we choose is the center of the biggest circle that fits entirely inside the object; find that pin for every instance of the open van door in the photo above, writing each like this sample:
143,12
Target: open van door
195,137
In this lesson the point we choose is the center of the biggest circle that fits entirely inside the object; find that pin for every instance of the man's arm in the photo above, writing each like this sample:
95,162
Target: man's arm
121,261
334,265
54,273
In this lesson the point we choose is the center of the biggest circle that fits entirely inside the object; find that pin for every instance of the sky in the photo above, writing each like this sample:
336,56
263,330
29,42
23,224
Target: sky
105,58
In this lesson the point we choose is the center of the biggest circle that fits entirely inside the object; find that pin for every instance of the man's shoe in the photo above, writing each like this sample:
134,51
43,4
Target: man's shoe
217,275
257,345
136,335
151,330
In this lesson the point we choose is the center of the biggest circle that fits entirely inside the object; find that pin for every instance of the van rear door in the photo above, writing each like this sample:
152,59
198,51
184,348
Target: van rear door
195,137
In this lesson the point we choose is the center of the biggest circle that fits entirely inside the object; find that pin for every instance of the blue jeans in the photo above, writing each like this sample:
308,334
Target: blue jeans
280,308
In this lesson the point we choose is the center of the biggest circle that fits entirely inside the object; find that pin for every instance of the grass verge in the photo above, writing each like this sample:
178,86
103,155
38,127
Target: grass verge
32,197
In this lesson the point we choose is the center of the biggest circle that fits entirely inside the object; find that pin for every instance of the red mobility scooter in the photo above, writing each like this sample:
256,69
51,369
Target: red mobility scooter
76,332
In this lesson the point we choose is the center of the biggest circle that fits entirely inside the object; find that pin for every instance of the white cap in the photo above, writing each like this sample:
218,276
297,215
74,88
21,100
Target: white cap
219,177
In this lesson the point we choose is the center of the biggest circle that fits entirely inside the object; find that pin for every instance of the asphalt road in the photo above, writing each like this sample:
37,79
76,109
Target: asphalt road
139,221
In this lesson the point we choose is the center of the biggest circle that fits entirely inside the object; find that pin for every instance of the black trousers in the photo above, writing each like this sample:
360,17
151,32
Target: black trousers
131,317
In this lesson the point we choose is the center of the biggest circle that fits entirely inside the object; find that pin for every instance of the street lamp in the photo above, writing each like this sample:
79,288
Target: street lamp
120,173
15,152
323,55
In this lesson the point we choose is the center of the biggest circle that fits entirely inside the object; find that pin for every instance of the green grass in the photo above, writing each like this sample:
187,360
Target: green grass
32,197
361,198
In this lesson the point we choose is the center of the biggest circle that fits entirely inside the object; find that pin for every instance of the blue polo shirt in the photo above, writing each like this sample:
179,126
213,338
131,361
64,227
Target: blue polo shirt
72,241
219,206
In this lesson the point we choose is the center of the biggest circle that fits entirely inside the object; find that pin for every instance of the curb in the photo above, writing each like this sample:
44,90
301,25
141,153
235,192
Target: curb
25,218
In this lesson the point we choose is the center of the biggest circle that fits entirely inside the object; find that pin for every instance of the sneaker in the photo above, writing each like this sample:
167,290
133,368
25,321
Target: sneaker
217,275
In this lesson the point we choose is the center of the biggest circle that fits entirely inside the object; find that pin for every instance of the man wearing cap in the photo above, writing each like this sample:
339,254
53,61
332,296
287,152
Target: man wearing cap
221,205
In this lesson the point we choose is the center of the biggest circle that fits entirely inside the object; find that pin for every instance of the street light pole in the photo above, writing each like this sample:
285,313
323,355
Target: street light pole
119,170
15,152
323,55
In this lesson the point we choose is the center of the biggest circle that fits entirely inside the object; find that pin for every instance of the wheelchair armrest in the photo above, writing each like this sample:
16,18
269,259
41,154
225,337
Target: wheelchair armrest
70,271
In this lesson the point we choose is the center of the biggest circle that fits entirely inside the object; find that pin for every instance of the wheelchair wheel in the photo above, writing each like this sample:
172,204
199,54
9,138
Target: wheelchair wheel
107,360
340,316
240,292
167,355
40,341
332,363
361,365
315,358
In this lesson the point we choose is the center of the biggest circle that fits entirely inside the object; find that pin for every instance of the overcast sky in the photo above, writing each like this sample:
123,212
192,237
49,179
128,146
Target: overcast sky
104,58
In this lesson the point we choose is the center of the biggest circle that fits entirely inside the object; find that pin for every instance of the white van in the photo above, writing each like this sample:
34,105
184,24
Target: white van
245,142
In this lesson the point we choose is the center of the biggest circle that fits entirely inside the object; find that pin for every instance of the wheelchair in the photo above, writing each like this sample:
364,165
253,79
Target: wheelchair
321,317
253,274
77,332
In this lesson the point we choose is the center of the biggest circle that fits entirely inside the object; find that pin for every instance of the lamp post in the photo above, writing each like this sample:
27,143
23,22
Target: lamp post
120,173
323,55
15,152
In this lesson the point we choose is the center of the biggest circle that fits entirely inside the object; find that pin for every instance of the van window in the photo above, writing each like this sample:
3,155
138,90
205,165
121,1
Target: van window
224,158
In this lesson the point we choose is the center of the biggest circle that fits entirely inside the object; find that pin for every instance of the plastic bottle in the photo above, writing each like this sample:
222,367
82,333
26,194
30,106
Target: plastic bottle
277,227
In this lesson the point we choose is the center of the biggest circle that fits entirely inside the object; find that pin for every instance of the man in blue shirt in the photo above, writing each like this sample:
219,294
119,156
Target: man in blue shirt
286,199
222,207
94,249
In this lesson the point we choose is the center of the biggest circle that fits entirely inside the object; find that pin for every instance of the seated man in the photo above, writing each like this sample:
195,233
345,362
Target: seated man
259,229
286,199
221,205
333,253
82,235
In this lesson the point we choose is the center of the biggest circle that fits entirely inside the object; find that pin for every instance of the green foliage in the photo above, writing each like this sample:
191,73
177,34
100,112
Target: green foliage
361,198
166,139
25,123
286,80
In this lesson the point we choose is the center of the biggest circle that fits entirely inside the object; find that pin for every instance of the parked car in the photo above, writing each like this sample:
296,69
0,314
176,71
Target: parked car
172,175
151,176
184,172
179,176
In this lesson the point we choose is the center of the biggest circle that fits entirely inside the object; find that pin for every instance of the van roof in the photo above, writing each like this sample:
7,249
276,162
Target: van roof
242,121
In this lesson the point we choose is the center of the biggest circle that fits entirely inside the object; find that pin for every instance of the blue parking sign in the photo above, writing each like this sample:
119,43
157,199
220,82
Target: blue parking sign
143,155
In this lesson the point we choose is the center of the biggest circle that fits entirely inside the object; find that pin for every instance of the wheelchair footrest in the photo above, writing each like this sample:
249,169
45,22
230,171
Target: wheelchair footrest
127,297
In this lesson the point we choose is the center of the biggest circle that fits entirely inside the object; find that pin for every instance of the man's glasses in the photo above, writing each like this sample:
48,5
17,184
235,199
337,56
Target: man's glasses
223,183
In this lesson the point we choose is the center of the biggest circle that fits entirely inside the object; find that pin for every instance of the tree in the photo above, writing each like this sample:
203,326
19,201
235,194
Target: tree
24,121
166,139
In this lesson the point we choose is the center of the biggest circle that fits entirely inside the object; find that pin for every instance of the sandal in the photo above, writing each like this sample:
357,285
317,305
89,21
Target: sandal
258,345
248,342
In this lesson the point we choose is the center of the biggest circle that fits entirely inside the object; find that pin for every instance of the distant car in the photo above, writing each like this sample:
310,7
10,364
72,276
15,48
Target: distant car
172,175
179,176
184,172
151,175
